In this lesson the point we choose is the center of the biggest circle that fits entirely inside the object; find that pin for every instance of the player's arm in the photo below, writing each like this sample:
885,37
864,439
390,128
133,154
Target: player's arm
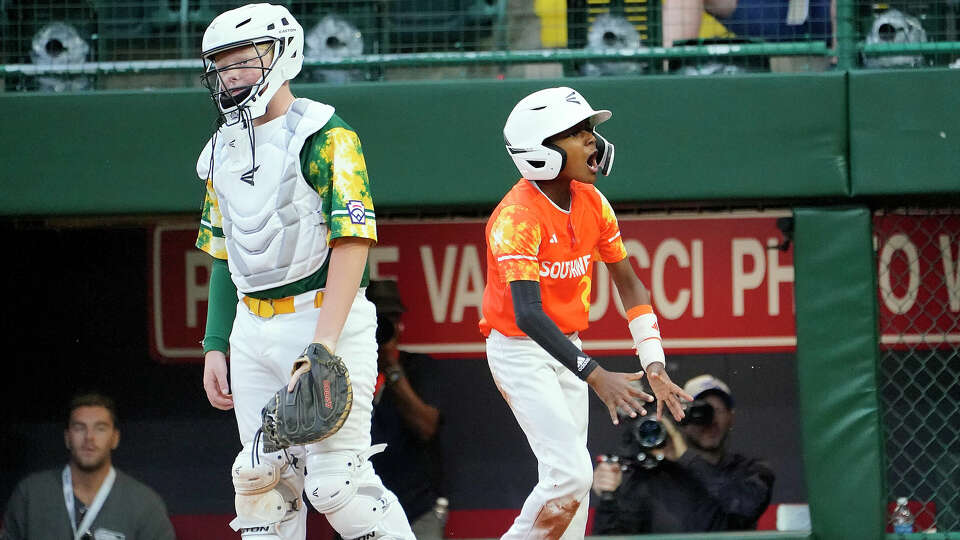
530,317
646,337
221,304
514,240
336,167
614,389
348,257
642,322
221,308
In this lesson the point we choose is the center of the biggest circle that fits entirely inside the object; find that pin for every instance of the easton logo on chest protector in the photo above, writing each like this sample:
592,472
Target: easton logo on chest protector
248,176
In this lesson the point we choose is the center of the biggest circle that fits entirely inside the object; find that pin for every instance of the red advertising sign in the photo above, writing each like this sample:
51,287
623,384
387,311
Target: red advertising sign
918,278
718,281
179,276
715,284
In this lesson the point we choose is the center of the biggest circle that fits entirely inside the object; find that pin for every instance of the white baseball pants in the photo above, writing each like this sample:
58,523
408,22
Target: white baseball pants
262,352
550,403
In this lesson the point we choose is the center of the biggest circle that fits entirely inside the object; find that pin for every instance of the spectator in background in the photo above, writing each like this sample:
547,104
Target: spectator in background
411,465
88,499
691,483
767,20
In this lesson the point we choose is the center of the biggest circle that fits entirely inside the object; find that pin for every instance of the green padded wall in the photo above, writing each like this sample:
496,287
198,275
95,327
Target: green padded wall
102,153
905,132
837,356
439,144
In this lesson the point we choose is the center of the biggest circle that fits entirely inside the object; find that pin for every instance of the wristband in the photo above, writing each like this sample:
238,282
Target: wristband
646,335
393,375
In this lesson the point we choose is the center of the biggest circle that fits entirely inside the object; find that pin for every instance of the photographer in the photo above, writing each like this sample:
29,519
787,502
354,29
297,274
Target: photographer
666,479
411,466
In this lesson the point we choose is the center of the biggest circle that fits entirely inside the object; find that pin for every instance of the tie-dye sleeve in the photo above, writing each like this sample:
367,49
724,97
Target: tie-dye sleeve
515,242
336,168
210,236
610,245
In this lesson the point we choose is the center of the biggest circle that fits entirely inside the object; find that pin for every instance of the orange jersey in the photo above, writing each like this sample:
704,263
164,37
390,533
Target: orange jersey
531,238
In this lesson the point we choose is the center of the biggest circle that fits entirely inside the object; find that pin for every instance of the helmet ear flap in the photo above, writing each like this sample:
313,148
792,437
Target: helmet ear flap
538,163
563,157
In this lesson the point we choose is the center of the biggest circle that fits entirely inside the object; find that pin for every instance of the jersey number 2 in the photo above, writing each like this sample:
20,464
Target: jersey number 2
585,294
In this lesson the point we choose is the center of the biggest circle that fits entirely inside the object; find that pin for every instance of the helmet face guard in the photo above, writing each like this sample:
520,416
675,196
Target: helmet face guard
230,100
605,153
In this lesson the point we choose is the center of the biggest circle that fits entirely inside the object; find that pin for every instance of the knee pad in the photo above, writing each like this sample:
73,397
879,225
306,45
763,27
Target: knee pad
344,487
267,492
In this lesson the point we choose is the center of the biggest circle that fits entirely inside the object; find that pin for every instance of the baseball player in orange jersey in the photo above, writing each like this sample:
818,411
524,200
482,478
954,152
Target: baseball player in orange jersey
542,241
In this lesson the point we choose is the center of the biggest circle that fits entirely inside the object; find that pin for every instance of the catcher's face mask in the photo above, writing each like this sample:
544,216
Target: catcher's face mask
239,75
264,25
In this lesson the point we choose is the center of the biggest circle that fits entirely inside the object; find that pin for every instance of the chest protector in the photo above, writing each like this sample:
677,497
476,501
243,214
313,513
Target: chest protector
273,221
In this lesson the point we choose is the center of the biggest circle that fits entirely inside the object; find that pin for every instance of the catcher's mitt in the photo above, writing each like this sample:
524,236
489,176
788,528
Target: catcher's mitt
315,409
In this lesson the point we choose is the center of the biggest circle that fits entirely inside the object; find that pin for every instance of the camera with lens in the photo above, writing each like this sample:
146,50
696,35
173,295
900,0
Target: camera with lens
646,435
697,413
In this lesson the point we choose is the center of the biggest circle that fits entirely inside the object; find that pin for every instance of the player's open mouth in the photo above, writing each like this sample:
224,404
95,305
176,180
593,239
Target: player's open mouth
592,162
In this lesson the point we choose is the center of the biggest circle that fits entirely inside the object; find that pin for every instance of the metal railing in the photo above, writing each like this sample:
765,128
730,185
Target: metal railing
391,39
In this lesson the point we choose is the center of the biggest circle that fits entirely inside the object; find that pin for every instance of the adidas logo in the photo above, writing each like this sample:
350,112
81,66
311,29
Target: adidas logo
553,238
582,362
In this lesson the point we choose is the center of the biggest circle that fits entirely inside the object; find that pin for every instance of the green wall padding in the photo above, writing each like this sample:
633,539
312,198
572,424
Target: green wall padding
440,144
904,132
836,363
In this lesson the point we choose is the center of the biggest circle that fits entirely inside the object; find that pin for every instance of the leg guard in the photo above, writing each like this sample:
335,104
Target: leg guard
343,486
268,492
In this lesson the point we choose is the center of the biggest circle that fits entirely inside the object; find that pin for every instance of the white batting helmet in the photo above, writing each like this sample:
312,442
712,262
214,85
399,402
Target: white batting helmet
252,24
543,114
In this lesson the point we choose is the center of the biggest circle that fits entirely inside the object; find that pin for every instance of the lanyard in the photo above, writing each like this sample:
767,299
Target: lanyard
94,507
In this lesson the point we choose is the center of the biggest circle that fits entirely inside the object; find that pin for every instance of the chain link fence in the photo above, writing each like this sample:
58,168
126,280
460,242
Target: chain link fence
925,31
918,255
102,44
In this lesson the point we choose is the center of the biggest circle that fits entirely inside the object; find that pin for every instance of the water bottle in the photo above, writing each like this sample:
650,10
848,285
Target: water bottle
902,517
431,525
440,510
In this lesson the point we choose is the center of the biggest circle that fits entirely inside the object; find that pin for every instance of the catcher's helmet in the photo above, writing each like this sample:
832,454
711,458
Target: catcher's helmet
541,115
253,24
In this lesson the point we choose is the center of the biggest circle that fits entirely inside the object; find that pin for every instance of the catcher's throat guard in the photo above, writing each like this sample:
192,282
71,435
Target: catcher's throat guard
316,408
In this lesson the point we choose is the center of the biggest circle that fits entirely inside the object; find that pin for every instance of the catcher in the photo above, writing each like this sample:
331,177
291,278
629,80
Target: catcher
289,219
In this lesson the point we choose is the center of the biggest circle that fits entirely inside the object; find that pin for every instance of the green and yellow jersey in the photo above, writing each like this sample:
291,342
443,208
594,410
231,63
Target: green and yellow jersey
332,163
